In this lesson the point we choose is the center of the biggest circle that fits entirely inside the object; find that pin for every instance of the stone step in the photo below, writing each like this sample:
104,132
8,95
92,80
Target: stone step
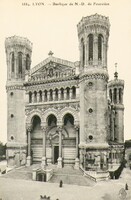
14,174
37,154
71,179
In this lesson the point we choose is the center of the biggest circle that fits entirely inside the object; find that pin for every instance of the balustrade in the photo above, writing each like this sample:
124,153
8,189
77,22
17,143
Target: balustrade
52,95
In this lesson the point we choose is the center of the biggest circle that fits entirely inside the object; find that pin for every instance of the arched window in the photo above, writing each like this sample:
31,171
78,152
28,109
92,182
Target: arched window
35,96
110,94
68,93
68,120
115,95
100,38
36,123
51,95
56,94
20,62
27,62
73,92
40,97
62,93
51,120
90,56
83,51
45,95
30,97
120,95
12,62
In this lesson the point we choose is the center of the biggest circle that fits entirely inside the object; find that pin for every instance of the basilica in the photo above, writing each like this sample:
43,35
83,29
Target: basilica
61,112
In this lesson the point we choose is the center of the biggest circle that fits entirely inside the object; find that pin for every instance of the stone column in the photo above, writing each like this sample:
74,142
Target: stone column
65,94
59,95
81,53
70,94
117,96
28,159
95,50
77,163
15,64
43,96
60,147
86,51
54,95
122,96
48,95
33,97
112,126
111,158
103,53
44,129
38,97
84,164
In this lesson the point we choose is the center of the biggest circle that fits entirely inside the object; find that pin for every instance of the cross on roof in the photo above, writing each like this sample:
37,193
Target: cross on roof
116,73
50,53
115,67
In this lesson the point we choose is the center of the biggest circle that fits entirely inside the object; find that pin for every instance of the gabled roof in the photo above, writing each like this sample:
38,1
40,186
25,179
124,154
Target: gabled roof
63,64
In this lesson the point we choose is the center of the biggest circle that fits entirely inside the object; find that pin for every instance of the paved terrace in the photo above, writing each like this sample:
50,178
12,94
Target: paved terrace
20,189
68,175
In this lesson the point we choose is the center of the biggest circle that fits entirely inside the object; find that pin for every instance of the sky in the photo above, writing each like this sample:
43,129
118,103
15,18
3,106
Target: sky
53,27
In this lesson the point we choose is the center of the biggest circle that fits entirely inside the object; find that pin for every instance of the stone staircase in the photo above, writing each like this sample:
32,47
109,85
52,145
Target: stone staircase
19,173
69,175
37,153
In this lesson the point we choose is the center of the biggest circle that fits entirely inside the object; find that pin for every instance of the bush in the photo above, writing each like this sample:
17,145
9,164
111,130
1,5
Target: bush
2,151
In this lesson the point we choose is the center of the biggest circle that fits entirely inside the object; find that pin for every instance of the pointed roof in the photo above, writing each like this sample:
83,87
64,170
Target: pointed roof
54,60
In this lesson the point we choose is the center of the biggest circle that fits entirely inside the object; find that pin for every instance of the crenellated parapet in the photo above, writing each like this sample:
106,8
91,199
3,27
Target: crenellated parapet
95,73
18,57
17,41
117,82
93,22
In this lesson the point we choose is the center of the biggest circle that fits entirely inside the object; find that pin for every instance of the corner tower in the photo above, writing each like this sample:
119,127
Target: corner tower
115,92
93,34
18,58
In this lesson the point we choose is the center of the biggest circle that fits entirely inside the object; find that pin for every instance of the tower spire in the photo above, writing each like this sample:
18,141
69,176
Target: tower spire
116,73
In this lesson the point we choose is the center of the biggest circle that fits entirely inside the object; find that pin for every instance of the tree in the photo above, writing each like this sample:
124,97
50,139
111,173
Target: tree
2,151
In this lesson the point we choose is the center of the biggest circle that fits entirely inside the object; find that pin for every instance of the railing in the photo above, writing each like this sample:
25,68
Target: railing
87,175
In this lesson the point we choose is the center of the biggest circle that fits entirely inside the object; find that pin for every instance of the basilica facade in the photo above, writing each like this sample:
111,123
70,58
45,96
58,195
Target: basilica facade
61,112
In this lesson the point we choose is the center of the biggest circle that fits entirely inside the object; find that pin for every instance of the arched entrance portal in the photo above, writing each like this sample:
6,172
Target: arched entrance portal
69,141
36,140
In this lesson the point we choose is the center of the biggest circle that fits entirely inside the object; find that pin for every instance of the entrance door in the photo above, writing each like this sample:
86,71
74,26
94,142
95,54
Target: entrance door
56,153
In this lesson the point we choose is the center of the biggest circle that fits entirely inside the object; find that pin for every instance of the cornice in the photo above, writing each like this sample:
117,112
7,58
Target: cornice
15,87
52,81
18,41
93,22
116,82
94,74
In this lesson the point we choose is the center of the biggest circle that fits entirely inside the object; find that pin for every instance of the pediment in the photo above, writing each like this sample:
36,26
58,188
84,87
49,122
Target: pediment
53,67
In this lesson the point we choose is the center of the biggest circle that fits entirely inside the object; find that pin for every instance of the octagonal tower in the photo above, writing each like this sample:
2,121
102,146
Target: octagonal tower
18,58
93,34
